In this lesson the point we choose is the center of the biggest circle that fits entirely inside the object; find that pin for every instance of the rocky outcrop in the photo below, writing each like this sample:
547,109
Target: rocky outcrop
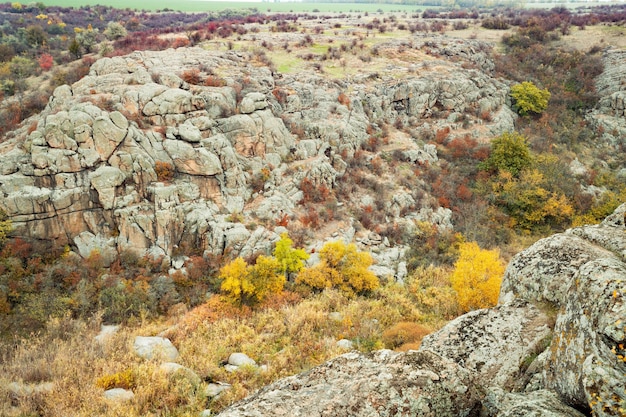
133,158
609,115
383,383
581,273
554,346
494,343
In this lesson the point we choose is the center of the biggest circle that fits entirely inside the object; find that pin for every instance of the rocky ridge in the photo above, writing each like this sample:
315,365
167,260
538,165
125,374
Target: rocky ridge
554,346
609,115
132,158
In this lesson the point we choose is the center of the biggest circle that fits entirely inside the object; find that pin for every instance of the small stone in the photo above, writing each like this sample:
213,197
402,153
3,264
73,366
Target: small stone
152,347
238,359
106,332
214,389
119,395
172,368
345,344
335,316
231,368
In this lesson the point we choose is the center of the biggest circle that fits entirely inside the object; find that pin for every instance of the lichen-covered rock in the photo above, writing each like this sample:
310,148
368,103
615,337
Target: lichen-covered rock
582,272
494,343
586,365
558,257
541,403
382,383
611,108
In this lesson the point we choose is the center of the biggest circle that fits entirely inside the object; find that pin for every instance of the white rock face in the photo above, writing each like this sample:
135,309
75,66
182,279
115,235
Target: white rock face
166,165
155,348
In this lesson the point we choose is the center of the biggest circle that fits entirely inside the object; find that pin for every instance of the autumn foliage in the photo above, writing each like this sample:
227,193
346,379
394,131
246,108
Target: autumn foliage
529,99
249,284
342,266
477,277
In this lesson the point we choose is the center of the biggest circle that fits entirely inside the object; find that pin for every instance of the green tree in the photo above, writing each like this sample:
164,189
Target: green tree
75,49
36,36
529,99
477,277
290,260
341,266
21,67
510,153
115,31
87,39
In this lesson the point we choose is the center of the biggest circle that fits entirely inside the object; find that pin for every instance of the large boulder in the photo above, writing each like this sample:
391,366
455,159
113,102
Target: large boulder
581,272
494,343
382,383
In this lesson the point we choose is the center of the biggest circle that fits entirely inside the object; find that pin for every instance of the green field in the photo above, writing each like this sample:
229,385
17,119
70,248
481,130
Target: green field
213,6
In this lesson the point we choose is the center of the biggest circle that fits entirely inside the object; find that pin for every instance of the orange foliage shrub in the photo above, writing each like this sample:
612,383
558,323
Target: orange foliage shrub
344,99
404,333
164,171
213,81
180,43
191,76
442,134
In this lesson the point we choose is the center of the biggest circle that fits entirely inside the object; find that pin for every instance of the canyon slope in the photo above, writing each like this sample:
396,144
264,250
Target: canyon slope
553,346
134,158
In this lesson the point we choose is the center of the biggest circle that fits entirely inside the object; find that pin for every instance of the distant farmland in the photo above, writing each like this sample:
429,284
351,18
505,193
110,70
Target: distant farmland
213,6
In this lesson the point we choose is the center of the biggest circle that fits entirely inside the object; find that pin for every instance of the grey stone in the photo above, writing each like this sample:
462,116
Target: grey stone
212,390
119,395
380,383
155,348
345,344
239,359
107,331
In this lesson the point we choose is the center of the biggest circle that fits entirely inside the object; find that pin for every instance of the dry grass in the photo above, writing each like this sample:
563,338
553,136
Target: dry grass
288,335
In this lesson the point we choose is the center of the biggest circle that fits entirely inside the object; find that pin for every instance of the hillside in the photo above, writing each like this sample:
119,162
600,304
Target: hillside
262,193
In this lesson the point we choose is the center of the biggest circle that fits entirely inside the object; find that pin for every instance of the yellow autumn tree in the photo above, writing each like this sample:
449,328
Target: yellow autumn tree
266,278
248,284
236,283
477,277
341,266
